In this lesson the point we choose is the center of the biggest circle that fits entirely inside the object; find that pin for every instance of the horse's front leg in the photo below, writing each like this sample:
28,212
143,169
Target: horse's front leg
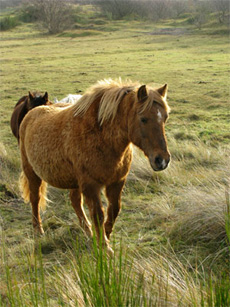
113,193
76,200
93,201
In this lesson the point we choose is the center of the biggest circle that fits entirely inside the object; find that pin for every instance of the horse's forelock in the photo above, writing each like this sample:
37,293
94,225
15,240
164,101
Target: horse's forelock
154,97
37,95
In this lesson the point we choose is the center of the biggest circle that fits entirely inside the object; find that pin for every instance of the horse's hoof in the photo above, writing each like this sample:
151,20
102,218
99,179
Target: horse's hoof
88,232
38,231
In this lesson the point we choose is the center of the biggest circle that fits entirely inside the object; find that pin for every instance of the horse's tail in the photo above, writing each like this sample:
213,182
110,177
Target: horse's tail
25,191
43,193
24,187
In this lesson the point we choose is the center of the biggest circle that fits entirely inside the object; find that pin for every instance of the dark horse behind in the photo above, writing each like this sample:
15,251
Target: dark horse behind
23,106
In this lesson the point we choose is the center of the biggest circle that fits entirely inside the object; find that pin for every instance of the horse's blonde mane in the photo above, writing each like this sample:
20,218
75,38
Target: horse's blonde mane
111,93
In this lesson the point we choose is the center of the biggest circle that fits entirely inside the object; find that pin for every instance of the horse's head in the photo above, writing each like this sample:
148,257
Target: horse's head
148,125
37,100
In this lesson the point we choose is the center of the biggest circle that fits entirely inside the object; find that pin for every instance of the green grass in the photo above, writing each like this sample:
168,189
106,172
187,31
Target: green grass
81,34
171,239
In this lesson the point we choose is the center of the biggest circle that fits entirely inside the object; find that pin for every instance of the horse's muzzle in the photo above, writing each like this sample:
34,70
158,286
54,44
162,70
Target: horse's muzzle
159,162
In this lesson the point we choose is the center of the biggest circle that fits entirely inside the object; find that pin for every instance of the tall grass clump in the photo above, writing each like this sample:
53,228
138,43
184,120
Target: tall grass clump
102,280
89,277
23,284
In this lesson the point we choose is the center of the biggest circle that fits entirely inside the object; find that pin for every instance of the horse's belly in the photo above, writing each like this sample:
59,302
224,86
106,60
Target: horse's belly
59,180
59,174
62,182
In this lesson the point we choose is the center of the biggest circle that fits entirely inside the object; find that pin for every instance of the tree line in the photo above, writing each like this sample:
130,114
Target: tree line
58,15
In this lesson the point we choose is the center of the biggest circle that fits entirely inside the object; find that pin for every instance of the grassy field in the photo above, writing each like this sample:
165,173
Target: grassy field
172,238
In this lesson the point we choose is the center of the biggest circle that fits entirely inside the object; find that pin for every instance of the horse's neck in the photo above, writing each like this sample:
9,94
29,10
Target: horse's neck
21,100
116,138
22,110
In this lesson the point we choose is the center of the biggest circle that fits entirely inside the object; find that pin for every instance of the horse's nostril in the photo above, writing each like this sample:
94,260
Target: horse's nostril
158,161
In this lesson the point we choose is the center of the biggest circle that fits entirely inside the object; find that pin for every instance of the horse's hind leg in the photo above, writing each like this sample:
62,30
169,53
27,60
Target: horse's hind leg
34,199
76,200
35,186
36,189
113,193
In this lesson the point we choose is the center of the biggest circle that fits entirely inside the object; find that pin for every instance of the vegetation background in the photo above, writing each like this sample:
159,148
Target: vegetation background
172,238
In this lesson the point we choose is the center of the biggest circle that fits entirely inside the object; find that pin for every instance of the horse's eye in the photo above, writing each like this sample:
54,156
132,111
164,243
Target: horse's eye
144,120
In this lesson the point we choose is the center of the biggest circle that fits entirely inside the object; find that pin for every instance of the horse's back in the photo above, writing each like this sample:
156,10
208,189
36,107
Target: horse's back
42,114
40,124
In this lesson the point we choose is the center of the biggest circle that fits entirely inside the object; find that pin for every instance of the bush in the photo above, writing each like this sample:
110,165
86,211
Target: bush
116,9
29,13
55,15
222,9
8,23
150,9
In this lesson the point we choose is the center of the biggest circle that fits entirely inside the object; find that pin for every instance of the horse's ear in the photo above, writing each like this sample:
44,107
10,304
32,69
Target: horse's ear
45,97
142,93
163,90
31,96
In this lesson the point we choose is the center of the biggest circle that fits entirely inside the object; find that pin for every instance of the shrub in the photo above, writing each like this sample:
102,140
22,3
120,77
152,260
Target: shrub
55,15
8,23
29,13
116,9
150,9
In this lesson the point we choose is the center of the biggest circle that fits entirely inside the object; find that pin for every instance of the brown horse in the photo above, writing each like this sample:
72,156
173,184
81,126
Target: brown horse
87,146
23,106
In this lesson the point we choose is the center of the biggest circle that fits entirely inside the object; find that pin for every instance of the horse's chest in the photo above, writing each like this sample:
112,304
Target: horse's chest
106,166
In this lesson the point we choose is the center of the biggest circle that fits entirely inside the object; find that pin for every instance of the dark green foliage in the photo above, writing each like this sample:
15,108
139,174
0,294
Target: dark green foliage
29,14
116,9
8,23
